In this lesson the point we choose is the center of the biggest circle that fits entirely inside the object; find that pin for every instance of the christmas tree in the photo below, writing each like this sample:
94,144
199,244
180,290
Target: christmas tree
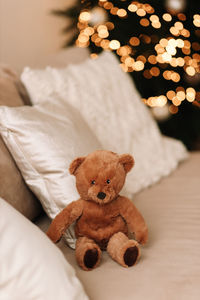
157,43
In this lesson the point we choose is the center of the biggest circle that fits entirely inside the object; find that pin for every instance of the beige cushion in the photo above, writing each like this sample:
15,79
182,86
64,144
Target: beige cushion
10,79
169,267
31,266
12,185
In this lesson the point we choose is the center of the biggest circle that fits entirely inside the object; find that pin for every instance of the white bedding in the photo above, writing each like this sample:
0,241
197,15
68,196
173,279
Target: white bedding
31,266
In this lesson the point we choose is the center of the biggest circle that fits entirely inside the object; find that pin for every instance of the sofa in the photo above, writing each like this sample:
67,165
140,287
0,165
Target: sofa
169,267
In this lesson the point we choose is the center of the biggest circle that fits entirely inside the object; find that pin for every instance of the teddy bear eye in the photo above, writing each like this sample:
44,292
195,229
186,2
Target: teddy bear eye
108,181
93,182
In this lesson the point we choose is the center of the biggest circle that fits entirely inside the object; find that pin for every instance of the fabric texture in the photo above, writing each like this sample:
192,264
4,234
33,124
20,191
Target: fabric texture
32,267
110,103
169,267
12,185
44,140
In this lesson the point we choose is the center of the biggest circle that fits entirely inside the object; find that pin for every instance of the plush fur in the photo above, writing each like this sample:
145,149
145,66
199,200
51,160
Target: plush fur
103,217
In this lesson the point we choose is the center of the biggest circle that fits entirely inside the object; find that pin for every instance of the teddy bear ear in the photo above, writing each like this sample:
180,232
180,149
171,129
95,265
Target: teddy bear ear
75,164
127,161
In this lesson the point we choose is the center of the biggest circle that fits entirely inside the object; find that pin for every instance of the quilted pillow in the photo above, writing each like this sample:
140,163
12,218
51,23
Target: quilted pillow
110,103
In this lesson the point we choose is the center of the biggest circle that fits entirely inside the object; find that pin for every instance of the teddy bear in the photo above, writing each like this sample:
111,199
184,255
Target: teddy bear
103,219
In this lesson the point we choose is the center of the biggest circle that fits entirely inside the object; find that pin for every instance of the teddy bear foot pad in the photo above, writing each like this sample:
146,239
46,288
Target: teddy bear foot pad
130,256
91,258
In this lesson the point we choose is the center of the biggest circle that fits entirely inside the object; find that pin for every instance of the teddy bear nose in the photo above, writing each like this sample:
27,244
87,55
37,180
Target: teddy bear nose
101,195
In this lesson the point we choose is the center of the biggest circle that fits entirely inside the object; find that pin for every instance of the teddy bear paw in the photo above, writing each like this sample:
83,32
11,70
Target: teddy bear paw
90,258
130,256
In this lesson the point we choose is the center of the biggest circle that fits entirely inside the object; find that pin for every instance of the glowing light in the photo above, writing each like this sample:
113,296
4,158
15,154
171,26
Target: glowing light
196,20
110,25
170,94
114,10
167,75
108,5
154,18
89,31
129,61
156,24
83,38
172,42
155,71
174,31
176,101
180,61
180,95
187,44
190,94
149,9
161,101
167,17
159,58
102,31
178,25
84,16
144,22
158,101
181,17
147,74
134,41
94,37
94,55
152,59
180,43
163,42
132,8
114,44
124,50
173,62
175,77
138,65
173,109
159,49
121,13
166,48
185,32
105,44
190,71
103,34
170,50
146,39
166,57
141,12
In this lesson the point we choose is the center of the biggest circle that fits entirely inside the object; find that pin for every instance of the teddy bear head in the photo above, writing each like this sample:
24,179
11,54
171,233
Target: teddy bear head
100,176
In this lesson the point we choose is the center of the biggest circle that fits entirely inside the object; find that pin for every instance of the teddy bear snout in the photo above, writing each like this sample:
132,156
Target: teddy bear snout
101,195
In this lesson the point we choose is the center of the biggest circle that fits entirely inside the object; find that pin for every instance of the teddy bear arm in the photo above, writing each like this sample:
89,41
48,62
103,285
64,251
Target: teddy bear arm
134,219
64,219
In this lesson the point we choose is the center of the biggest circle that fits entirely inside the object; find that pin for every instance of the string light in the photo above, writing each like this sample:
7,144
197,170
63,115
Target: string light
94,27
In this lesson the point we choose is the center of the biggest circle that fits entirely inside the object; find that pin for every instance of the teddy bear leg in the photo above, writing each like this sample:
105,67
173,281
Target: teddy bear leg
88,253
126,252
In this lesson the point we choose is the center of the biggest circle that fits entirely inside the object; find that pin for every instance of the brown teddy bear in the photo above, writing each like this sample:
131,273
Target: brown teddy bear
103,217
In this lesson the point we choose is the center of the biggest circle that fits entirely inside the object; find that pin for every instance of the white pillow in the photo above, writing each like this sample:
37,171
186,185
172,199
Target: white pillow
32,267
110,103
43,140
